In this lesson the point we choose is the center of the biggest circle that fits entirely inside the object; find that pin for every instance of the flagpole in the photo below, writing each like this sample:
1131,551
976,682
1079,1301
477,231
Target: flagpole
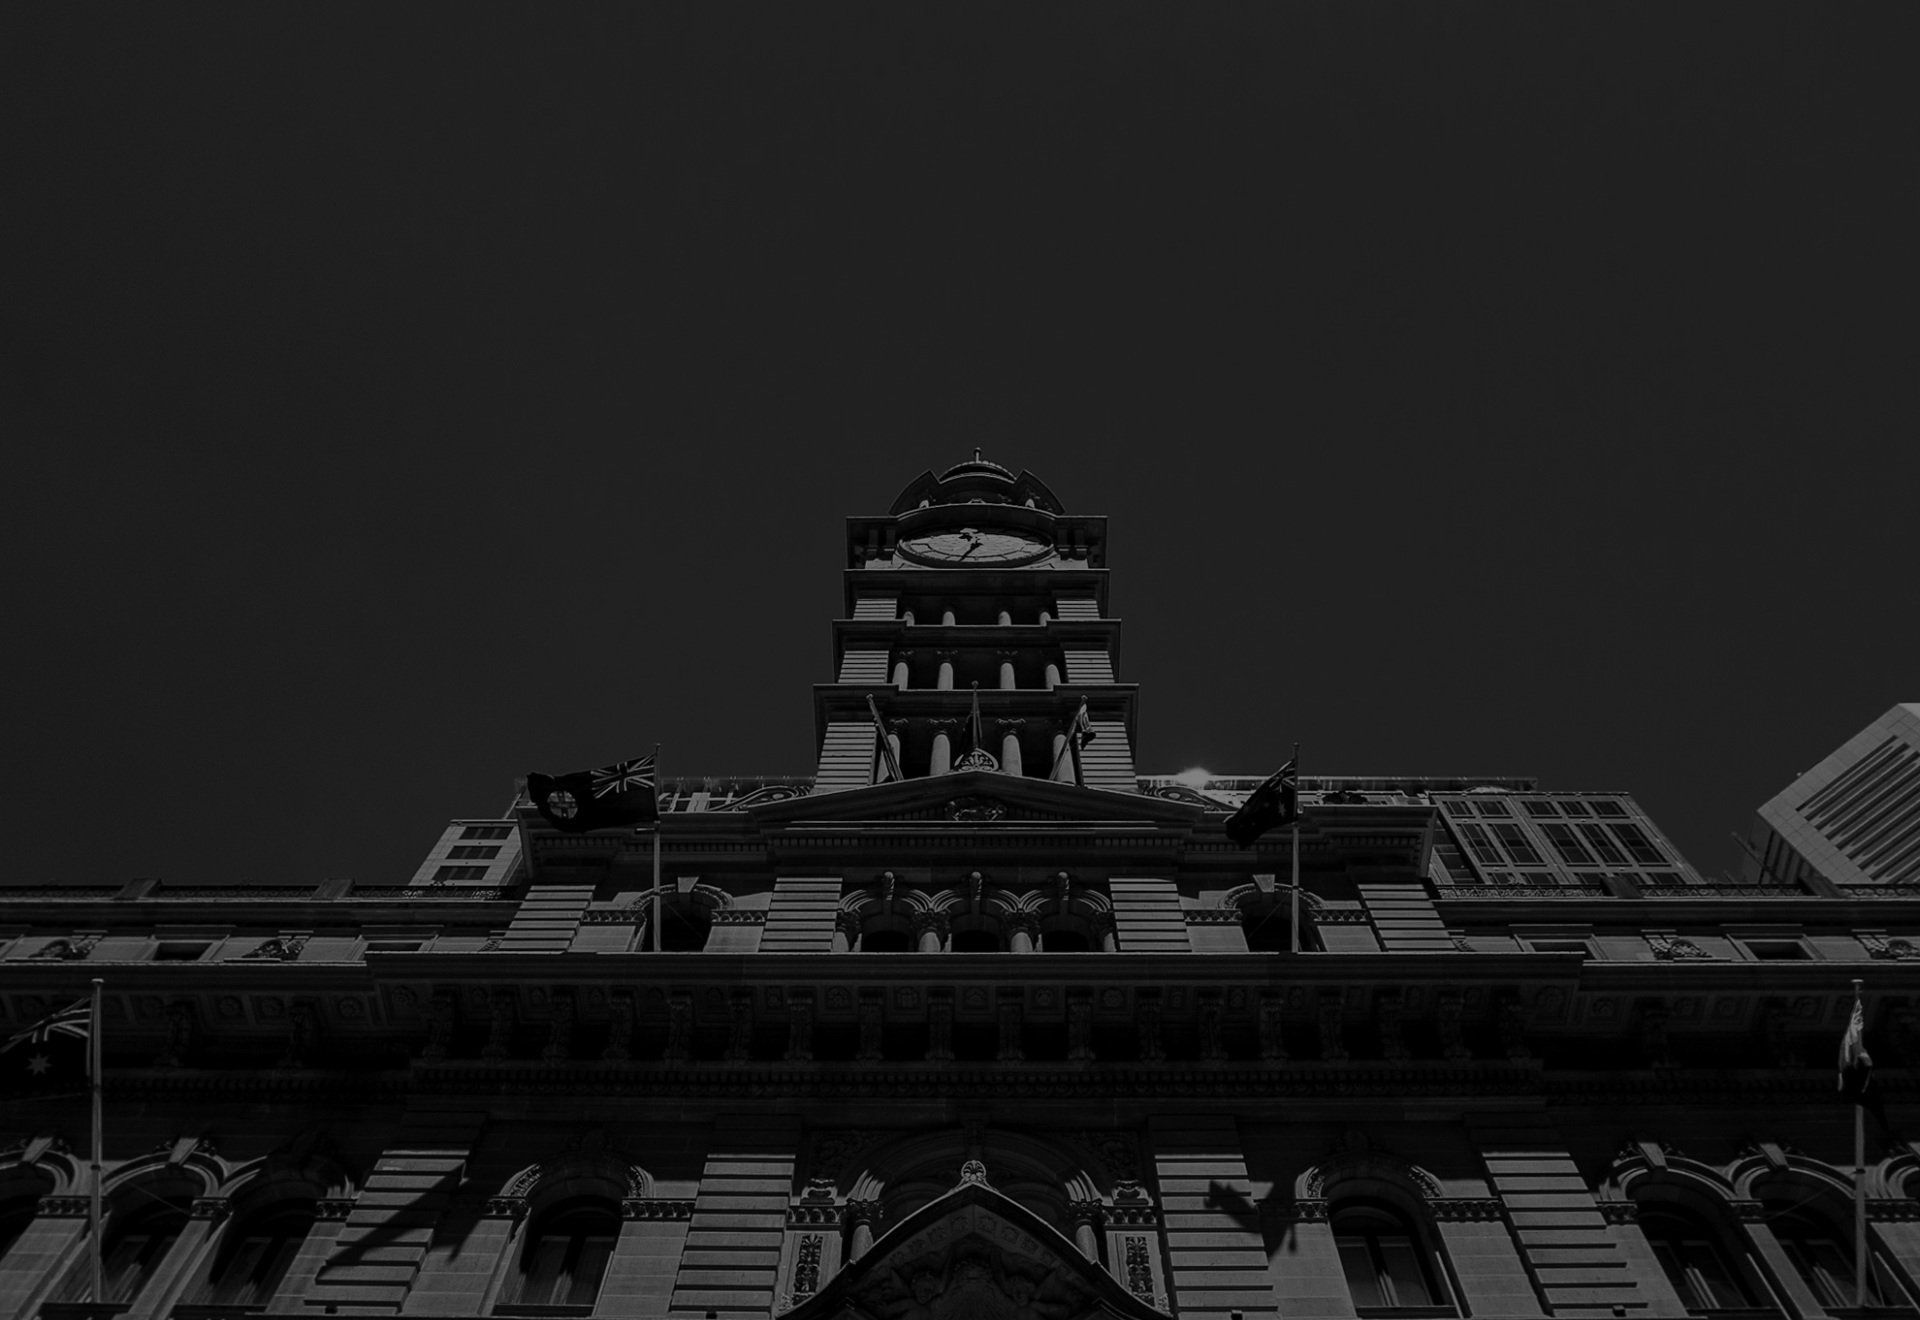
657,823
93,1205
1295,934
1859,1185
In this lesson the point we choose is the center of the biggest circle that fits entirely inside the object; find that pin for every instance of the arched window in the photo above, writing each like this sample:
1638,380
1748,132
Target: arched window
1267,922
565,1255
1384,1258
1063,938
255,1255
684,926
16,1214
1822,1254
138,1238
1694,1259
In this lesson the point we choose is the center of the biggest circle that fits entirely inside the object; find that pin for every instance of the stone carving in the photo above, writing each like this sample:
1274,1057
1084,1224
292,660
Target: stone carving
1080,1028
281,948
740,1027
619,1028
679,1027
1152,1050
806,1266
1387,1016
215,1208
1674,948
1651,1027
799,1031
973,1172
303,1033
1879,946
1513,1028
500,1006
1010,1023
975,807
559,1047
1449,1017
1332,1022
1272,1045
1448,1209
68,950
180,1027
1777,1018
872,1018
1212,1048
1139,1268
440,1015
940,1026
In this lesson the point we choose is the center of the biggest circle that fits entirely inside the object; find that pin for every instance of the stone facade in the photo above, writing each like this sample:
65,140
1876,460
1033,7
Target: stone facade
979,1020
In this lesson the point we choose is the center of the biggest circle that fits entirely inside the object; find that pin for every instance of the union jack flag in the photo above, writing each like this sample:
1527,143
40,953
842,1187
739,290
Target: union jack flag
75,1020
625,777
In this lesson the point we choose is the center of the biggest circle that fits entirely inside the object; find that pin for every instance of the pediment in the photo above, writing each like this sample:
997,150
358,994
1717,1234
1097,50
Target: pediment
981,797
973,1254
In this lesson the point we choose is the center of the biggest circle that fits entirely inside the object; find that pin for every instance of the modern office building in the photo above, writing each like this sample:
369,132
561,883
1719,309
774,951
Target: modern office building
981,1019
1853,821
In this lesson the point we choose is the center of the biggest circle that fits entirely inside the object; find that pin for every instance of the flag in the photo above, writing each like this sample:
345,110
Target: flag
1856,1065
49,1057
1275,802
886,748
1082,726
607,798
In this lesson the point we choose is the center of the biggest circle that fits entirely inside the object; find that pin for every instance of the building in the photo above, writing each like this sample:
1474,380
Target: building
980,1020
1853,821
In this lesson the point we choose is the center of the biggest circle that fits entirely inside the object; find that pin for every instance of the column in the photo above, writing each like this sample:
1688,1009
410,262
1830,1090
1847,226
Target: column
946,618
862,1215
1023,930
942,758
906,617
1053,675
893,741
1003,618
1006,671
900,671
1086,1228
931,930
1046,617
945,682
1010,752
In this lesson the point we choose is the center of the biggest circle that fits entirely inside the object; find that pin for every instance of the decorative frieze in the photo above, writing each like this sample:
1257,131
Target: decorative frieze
1466,1209
655,1208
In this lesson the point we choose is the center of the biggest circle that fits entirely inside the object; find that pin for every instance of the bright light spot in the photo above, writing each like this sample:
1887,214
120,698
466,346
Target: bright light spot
1193,778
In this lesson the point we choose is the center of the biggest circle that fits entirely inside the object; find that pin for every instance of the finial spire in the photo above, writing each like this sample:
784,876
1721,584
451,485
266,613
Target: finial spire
976,453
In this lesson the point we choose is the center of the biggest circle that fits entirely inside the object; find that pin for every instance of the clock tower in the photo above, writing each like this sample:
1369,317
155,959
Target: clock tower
976,632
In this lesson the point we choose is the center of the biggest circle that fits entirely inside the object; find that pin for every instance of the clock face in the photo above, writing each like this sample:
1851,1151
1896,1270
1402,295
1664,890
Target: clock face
969,545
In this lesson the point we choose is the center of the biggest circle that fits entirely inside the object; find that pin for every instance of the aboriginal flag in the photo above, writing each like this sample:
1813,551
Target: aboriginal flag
603,799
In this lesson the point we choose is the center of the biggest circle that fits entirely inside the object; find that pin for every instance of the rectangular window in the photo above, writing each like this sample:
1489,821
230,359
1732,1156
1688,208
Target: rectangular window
1567,845
486,831
180,950
1540,807
460,873
1602,843
1777,950
395,946
1573,807
1559,946
1483,850
1455,807
1493,807
1639,844
1608,807
1516,845
473,851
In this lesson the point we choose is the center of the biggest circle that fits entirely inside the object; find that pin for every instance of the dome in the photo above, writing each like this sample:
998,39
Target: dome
977,466
977,480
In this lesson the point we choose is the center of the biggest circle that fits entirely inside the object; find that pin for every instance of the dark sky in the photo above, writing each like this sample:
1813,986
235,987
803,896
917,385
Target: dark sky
400,398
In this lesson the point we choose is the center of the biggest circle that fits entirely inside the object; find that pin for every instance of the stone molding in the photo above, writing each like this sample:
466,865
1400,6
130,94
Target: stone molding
1467,1209
656,1208
64,1207
1619,1212
814,1216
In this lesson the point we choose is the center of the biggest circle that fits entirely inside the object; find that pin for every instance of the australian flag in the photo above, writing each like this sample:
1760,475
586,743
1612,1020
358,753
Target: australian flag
603,799
1275,802
49,1057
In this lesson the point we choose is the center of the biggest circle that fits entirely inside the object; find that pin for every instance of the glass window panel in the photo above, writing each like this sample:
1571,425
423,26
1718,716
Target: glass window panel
545,1281
1402,1266
1356,1260
1713,1283
1567,845
1482,846
588,1268
1639,844
1515,841
1493,807
1540,807
1602,843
